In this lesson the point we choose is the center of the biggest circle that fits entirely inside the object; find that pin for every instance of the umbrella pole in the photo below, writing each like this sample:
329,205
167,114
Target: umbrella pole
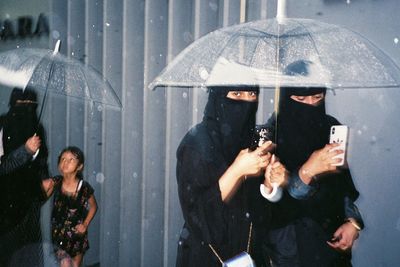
45,93
281,14
55,51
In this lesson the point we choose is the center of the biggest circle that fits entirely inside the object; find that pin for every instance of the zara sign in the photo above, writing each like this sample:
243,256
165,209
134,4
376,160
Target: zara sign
24,28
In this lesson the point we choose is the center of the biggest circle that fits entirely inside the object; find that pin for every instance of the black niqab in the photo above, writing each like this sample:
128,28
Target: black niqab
231,121
21,121
301,128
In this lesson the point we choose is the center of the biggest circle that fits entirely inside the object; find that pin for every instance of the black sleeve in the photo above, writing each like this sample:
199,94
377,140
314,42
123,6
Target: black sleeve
200,196
14,160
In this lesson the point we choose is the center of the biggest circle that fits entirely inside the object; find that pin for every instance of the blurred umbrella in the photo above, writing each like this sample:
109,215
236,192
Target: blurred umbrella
50,72
281,52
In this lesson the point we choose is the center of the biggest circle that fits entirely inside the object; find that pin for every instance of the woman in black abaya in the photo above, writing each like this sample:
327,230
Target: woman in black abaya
22,193
212,167
303,223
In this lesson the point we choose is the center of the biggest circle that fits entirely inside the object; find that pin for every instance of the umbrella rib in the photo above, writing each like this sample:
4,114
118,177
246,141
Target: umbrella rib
312,41
27,59
86,91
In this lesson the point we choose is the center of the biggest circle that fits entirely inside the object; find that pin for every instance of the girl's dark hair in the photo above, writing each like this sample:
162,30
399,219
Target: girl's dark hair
77,152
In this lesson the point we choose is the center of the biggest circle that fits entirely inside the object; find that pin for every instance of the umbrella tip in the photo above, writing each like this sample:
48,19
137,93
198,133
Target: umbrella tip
57,47
281,12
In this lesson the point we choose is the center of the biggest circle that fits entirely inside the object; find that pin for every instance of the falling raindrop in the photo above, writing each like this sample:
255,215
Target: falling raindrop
398,225
55,34
100,177
213,6
348,2
184,95
99,108
203,73
188,37
396,40
107,24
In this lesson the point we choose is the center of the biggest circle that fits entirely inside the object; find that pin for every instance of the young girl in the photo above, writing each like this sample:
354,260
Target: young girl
73,210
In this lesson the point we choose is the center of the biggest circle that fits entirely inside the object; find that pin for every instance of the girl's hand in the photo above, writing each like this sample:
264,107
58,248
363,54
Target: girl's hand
275,173
80,228
321,161
252,163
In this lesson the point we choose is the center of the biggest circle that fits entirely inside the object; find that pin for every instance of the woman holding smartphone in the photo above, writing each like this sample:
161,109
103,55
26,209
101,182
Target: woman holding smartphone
219,178
316,223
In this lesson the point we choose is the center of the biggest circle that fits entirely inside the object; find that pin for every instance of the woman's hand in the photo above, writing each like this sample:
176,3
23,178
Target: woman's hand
252,163
321,161
246,164
344,237
33,144
275,173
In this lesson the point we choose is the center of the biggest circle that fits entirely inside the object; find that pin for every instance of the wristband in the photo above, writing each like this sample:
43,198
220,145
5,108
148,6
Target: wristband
275,195
354,224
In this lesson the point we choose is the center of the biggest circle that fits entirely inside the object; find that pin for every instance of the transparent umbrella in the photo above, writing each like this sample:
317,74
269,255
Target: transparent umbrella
49,72
281,52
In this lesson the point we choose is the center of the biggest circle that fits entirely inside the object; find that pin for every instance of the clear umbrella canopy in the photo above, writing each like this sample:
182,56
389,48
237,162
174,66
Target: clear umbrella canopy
286,52
49,72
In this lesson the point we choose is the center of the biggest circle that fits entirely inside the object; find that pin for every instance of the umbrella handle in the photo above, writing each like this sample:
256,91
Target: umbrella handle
57,47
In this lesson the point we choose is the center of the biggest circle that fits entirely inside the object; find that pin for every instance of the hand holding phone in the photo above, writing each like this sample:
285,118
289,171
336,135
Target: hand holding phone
338,135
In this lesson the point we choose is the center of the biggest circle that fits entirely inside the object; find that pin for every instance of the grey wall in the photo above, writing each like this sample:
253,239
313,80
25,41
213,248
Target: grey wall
131,153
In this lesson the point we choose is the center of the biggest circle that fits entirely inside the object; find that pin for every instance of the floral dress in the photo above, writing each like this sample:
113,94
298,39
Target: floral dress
69,210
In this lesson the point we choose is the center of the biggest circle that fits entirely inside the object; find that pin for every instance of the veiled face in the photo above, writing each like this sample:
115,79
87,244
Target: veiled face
313,100
249,96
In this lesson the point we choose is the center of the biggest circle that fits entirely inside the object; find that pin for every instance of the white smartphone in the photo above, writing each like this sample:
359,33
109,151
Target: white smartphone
339,134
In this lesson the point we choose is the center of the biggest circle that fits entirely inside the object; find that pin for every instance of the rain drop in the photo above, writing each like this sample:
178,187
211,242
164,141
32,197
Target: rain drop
100,178
247,215
396,40
187,37
135,175
107,24
99,108
55,34
271,101
213,7
348,2
184,95
398,225
359,132
203,73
